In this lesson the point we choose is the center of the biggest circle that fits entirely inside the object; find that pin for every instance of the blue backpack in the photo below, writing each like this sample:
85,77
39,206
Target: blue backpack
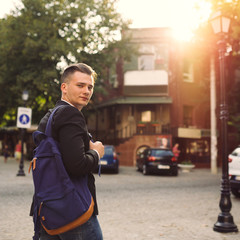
60,203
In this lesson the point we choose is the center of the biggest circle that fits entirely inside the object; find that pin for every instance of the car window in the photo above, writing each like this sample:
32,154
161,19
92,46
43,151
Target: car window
161,153
108,151
145,153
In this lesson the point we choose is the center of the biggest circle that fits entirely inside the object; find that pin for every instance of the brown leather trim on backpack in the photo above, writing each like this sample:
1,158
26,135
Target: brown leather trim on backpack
32,163
79,221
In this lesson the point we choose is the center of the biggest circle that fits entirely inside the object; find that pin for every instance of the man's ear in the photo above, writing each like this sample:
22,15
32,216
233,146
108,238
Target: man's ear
63,87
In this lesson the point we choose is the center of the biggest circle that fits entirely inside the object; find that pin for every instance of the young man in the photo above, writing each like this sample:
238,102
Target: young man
80,155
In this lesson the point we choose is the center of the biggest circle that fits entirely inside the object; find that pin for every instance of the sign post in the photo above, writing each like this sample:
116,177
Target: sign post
24,117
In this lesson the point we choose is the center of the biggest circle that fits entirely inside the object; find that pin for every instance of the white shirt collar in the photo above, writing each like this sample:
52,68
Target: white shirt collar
67,102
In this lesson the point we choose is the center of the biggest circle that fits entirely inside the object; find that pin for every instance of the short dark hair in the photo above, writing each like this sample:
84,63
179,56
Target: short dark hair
78,67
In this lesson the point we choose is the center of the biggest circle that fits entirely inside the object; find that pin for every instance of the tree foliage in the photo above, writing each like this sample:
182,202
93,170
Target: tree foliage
206,42
232,10
206,38
41,38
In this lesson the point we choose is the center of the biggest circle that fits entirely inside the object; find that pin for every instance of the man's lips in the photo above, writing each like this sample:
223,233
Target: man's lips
84,98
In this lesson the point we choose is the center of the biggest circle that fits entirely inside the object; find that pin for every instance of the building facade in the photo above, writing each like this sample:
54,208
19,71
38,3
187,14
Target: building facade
157,95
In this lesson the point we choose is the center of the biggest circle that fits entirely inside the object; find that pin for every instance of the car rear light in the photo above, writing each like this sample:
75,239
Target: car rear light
229,159
151,158
173,159
114,156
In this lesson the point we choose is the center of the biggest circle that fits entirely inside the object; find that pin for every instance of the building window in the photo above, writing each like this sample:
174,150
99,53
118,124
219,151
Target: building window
146,116
146,62
187,71
114,81
187,115
198,151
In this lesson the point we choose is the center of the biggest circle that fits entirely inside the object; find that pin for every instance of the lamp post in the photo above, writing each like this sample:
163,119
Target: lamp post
21,164
224,224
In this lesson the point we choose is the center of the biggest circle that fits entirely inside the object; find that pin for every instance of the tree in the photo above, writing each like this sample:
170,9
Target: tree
40,39
206,37
232,10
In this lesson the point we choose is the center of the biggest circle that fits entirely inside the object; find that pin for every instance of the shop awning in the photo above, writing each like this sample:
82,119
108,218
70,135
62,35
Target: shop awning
136,100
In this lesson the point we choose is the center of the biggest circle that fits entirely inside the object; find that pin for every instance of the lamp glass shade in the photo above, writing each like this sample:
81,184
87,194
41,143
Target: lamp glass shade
216,25
25,95
220,23
225,24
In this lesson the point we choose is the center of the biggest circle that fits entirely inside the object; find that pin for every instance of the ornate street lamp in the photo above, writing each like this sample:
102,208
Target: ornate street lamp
25,96
225,224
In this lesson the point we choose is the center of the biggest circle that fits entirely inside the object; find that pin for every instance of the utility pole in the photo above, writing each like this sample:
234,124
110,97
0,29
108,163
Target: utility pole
213,117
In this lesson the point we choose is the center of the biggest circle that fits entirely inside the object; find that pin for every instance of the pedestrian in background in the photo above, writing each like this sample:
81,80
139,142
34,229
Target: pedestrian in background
176,151
6,152
18,151
80,155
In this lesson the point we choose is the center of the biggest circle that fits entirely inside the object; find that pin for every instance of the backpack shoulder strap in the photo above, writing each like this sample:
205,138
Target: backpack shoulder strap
48,130
37,137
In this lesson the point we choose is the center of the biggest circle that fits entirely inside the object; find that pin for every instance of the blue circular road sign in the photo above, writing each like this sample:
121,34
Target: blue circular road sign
24,119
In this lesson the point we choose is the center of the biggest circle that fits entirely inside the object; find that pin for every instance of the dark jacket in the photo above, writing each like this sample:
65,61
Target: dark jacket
69,129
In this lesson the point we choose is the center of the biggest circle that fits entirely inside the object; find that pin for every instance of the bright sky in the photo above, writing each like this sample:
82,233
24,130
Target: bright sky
6,6
180,15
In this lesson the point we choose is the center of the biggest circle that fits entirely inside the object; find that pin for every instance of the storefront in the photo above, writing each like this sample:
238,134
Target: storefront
194,145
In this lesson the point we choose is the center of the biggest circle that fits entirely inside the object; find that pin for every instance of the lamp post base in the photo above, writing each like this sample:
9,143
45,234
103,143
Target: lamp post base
225,224
21,164
20,173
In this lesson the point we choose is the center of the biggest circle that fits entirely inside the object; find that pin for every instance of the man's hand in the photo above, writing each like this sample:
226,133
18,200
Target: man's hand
98,146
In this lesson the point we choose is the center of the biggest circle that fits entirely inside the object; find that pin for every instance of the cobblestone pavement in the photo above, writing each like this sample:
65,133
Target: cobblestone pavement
132,206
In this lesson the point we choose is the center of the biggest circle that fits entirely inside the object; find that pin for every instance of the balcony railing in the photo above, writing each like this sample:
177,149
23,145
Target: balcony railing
118,136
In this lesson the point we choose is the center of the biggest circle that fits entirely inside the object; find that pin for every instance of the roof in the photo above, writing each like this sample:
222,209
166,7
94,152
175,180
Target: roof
136,100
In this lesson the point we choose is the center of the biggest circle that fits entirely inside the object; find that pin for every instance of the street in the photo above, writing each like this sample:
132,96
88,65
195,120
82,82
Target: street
131,206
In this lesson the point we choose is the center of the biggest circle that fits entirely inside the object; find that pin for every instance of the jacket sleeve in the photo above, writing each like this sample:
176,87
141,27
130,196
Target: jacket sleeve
70,129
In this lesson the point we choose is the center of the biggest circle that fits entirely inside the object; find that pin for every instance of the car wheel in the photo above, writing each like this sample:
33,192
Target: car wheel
174,171
116,170
236,192
145,170
138,168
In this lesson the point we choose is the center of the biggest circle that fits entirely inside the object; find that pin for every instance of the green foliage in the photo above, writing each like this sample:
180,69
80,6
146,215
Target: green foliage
234,108
187,162
205,35
40,39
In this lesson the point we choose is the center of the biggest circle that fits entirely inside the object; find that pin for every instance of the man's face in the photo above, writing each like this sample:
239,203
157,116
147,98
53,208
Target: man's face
78,90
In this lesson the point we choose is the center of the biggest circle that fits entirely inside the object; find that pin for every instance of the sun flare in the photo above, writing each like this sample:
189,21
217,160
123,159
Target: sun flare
187,15
183,16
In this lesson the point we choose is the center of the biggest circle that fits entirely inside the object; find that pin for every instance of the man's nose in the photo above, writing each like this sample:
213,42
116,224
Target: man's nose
87,90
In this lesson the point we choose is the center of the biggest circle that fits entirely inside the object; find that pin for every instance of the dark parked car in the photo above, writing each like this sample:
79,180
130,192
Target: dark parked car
157,160
110,161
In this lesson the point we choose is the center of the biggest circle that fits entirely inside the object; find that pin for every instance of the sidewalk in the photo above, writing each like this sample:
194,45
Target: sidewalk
129,208
15,200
